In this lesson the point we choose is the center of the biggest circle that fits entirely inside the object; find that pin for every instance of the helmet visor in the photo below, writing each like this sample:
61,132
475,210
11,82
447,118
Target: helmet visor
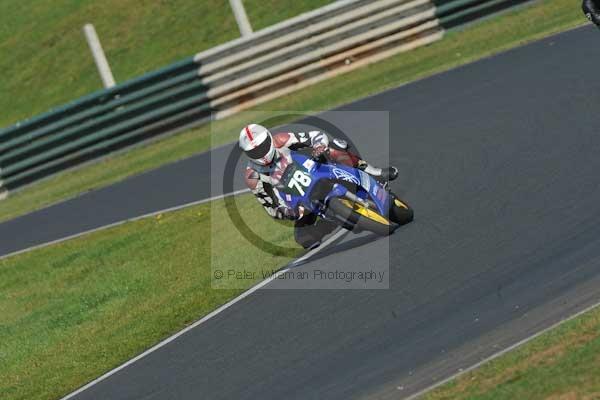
261,150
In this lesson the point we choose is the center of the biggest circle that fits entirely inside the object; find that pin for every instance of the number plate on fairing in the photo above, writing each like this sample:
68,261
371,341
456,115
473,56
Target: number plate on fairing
295,180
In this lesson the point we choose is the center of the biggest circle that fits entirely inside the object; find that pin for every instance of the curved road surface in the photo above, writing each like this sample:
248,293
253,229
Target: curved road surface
501,161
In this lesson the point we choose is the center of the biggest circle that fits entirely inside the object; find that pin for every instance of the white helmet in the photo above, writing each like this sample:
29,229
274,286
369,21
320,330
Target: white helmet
257,143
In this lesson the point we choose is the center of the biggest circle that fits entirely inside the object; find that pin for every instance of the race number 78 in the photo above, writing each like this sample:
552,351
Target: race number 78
298,181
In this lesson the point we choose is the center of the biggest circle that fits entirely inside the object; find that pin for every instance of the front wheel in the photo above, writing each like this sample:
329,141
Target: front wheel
356,216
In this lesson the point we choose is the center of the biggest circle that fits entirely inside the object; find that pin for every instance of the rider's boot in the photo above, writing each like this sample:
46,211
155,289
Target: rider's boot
381,174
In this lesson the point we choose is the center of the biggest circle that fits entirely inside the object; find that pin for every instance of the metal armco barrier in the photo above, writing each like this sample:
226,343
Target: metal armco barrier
221,81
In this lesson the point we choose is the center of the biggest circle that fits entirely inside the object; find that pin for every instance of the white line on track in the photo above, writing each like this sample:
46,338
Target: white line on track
219,310
282,271
502,352
152,214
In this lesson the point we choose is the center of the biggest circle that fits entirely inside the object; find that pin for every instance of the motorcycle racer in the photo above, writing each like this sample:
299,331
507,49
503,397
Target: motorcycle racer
591,9
270,155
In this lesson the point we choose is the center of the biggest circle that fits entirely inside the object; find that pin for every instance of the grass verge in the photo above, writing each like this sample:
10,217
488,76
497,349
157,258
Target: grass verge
72,311
458,47
48,63
561,364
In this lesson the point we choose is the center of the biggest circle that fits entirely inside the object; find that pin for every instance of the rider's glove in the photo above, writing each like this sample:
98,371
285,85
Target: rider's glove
319,149
284,212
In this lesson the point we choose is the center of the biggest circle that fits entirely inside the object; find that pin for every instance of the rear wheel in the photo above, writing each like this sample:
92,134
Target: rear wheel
357,216
400,212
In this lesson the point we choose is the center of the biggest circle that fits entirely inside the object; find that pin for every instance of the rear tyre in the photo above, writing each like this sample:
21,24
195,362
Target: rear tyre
358,217
400,212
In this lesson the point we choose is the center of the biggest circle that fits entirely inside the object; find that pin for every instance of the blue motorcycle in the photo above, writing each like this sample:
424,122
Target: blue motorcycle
348,196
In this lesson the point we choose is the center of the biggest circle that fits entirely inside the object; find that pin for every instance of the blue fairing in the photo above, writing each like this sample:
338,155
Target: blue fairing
300,178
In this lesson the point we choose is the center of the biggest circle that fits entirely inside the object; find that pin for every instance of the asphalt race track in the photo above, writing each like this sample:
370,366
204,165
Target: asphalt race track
500,161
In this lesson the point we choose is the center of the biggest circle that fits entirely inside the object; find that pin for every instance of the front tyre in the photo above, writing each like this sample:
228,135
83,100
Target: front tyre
400,212
356,216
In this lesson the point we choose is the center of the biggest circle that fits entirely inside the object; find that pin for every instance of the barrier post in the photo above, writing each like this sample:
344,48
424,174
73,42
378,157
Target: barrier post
99,57
241,17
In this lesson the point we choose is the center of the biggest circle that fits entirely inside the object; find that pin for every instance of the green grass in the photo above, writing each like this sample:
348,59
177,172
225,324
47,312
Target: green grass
563,363
45,60
72,311
458,47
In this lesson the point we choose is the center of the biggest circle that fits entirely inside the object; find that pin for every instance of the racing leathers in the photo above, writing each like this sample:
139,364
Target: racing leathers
591,9
263,179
